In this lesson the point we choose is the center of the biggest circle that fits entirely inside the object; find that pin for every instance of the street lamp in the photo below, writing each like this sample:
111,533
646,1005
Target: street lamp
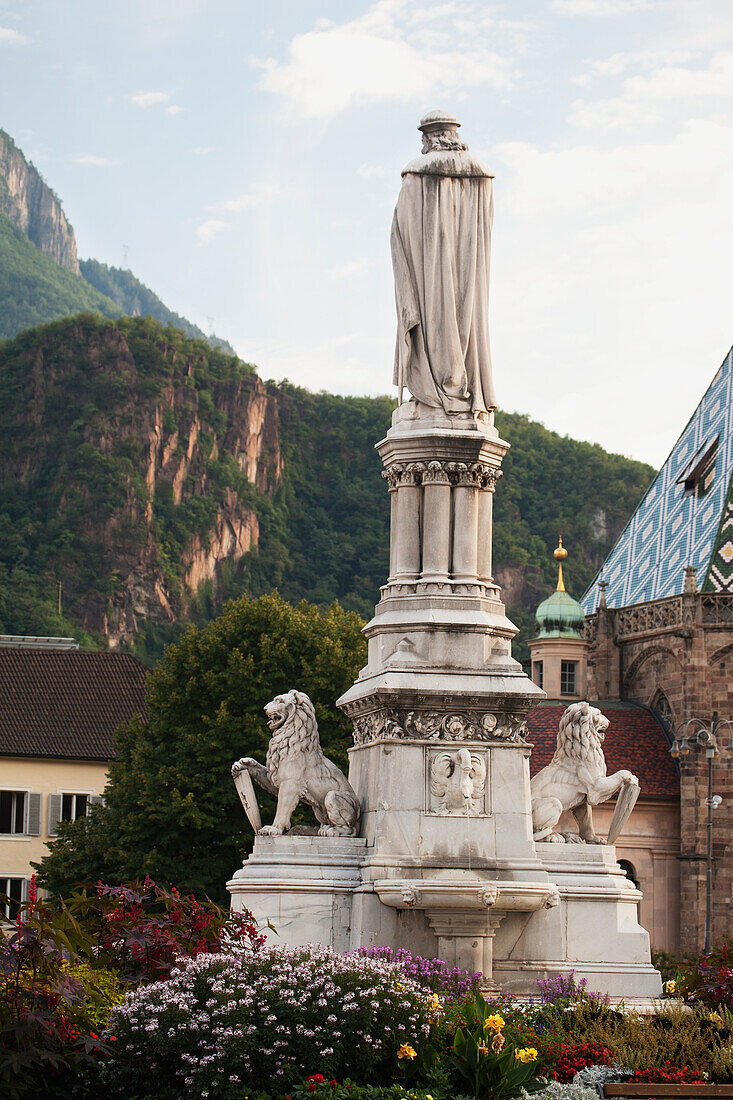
708,736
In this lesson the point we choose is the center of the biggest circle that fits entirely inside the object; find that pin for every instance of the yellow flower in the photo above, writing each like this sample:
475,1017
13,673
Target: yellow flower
526,1054
716,1018
670,987
398,987
495,1022
433,1002
406,1051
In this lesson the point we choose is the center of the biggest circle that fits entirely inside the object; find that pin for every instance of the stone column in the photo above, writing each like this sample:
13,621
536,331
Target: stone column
392,476
436,535
465,523
466,939
405,538
489,478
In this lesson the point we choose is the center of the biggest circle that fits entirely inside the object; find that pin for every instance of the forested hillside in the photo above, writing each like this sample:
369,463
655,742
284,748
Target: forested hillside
153,477
41,278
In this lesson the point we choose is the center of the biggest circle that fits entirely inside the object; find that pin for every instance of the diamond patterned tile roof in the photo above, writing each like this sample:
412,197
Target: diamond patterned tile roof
634,740
683,515
67,704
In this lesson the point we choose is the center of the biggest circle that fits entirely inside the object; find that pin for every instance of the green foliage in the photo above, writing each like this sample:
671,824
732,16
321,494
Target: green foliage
171,778
137,300
101,990
484,1058
34,289
673,1034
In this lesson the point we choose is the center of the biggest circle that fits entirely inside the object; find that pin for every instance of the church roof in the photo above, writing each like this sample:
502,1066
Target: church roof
67,704
685,517
635,739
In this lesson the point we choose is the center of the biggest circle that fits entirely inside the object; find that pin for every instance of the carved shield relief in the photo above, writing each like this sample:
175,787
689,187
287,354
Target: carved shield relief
457,782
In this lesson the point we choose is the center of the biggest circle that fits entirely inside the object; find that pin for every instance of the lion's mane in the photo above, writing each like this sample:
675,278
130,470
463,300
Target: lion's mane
577,737
298,733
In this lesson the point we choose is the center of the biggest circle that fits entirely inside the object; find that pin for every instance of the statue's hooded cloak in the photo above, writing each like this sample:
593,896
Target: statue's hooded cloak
441,244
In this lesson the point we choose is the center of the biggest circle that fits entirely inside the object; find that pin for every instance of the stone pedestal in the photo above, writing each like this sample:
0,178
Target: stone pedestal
302,885
594,931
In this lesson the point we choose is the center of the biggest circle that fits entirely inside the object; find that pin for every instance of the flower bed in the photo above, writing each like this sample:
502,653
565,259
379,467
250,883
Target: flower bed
125,991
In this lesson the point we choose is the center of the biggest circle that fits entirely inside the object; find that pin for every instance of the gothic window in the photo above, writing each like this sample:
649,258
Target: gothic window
568,677
538,673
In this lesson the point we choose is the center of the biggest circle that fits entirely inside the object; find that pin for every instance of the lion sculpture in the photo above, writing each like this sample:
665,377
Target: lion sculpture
297,771
576,780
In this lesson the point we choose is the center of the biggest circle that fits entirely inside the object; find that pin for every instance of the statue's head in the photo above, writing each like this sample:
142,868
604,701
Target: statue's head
440,131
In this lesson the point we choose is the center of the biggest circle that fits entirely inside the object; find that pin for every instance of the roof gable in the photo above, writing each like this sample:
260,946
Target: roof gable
67,704
675,525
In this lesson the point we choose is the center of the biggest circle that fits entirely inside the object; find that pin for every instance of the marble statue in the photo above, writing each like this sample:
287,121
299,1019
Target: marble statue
576,780
297,771
441,244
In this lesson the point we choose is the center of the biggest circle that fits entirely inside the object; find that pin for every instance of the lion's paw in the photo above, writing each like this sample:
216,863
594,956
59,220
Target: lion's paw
270,830
555,838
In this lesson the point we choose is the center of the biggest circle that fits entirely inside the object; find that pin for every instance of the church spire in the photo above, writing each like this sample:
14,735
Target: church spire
560,555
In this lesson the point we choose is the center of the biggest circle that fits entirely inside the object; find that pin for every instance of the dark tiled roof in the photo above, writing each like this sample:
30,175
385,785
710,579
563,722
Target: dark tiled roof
66,703
634,740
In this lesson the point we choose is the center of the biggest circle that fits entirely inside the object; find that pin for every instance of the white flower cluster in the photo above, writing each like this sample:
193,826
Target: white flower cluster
278,1014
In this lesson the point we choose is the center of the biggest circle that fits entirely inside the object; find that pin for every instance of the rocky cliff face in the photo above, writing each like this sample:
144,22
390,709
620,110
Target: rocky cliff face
145,462
31,205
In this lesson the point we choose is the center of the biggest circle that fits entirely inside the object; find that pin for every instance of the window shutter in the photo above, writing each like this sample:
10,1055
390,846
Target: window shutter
33,802
54,813
96,800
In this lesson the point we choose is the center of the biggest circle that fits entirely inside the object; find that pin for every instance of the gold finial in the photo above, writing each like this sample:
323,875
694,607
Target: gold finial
560,555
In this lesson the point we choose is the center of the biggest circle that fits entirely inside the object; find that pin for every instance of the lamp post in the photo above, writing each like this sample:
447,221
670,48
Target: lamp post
708,736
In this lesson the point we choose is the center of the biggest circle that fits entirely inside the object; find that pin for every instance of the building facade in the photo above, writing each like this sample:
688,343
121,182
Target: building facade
59,709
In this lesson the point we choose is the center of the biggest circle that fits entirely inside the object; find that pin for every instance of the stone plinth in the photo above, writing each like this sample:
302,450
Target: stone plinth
302,886
594,931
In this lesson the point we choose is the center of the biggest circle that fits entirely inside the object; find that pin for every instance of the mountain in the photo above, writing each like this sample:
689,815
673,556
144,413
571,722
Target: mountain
137,300
41,277
153,477
29,204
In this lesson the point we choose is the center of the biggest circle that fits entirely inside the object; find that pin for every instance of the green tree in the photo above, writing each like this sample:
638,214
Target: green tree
171,808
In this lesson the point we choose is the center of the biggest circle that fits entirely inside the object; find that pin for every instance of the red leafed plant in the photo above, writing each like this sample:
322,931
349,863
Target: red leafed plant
141,928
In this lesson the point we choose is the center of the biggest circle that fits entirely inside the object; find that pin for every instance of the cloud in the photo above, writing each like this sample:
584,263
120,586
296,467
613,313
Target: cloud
350,269
395,51
149,99
174,109
201,150
210,229
11,37
95,161
262,194
648,97
598,9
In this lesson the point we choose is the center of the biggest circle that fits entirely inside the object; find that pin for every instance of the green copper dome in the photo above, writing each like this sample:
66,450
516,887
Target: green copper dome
560,616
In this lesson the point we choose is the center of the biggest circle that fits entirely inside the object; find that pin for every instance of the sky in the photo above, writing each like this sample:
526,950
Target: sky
243,159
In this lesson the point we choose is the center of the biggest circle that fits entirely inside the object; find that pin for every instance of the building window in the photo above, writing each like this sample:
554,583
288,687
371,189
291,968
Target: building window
14,889
12,812
568,677
538,673
68,806
660,704
629,871
73,806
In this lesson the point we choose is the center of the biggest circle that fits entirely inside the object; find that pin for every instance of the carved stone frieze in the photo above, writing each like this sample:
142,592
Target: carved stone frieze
457,782
435,725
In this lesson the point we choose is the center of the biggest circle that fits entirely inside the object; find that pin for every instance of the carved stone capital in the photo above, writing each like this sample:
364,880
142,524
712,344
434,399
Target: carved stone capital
392,475
436,474
490,477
